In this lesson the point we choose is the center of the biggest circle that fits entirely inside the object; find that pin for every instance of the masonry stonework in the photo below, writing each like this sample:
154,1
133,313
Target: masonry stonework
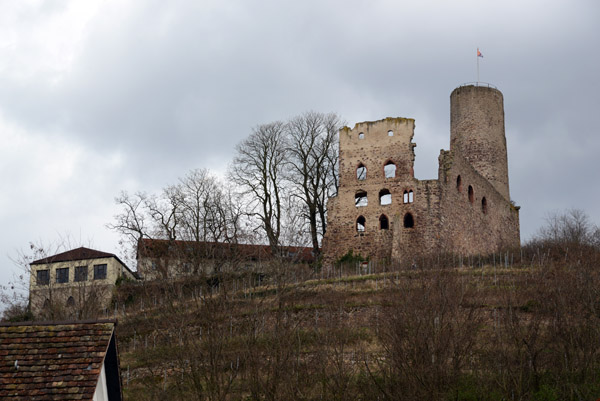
467,210
70,293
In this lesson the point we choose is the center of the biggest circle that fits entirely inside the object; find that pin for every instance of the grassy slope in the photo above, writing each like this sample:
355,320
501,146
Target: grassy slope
359,337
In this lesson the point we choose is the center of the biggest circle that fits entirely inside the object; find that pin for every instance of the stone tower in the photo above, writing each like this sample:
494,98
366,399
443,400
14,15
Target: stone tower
477,132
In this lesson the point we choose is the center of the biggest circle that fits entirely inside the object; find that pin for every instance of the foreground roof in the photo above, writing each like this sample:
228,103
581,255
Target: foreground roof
49,361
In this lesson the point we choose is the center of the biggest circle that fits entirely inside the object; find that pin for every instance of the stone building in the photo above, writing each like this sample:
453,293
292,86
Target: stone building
170,259
383,212
77,283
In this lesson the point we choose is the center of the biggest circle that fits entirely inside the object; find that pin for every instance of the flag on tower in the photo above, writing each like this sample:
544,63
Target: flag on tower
479,53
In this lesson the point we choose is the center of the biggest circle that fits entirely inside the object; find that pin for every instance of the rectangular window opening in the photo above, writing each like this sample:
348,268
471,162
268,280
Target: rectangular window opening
81,273
62,275
43,277
100,272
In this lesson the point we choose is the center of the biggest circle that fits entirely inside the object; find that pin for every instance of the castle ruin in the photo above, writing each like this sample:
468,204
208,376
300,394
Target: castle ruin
383,212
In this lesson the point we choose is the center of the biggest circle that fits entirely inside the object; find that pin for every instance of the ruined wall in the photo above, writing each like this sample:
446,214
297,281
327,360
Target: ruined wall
480,223
423,238
374,148
372,145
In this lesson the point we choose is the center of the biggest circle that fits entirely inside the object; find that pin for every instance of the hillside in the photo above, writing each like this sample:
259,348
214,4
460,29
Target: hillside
460,330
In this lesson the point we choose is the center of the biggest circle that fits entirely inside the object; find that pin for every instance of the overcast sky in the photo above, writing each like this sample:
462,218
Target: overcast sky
102,96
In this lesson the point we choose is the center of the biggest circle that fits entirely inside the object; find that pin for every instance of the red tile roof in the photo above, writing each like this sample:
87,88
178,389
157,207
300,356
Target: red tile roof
80,253
158,248
43,361
74,254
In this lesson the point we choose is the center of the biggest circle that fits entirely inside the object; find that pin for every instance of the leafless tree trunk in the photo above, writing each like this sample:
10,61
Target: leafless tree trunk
165,211
131,222
208,210
258,171
312,146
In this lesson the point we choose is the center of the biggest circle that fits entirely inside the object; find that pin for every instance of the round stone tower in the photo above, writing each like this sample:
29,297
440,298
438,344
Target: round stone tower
477,132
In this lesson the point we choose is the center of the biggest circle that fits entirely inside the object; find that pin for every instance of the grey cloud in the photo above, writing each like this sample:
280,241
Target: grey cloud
172,86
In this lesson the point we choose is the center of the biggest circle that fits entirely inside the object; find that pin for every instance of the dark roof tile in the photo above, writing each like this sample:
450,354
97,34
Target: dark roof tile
80,253
60,361
157,248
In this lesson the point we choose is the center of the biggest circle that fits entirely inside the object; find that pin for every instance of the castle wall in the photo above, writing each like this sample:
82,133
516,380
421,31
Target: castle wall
373,144
424,237
439,216
375,148
469,226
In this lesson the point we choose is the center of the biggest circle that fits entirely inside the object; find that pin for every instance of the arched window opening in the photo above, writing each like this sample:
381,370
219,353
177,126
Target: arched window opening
361,135
385,197
471,194
459,184
361,172
71,301
384,223
484,208
409,222
46,303
411,196
405,197
390,133
389,169
360,199
360,224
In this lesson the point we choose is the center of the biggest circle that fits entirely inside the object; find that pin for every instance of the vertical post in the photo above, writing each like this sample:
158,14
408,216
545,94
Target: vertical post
477,57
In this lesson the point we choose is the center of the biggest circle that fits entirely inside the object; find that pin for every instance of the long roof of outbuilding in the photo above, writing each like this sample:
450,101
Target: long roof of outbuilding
158,248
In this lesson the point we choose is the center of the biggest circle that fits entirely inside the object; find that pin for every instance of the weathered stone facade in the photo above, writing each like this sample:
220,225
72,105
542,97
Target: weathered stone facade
467,210
171,259
76,280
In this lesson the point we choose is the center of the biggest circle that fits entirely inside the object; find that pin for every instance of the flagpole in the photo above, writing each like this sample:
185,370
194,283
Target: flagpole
477,57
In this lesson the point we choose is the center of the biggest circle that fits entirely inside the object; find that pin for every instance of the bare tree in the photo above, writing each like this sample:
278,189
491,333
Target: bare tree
572,227
429,337
258,170
131,222
165,211
294,226
226,216
566,236
313,157
208,210
197,209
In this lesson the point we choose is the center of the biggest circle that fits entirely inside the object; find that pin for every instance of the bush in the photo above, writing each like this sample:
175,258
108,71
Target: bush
17,313
568,236
350,257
